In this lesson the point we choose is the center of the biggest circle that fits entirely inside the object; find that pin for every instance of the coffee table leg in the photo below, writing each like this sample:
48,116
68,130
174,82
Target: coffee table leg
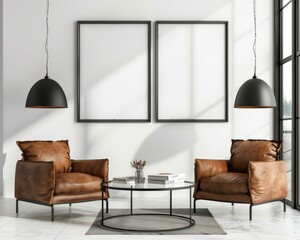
190,206
131,201
102,214
170,202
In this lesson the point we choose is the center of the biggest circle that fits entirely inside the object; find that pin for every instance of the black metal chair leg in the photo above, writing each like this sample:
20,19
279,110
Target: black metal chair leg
232,204
17,205
284,205
250,212
70,204
194,205
52,213
106,205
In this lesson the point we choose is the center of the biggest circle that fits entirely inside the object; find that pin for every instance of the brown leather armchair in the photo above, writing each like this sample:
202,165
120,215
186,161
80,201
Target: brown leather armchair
253,175
46,175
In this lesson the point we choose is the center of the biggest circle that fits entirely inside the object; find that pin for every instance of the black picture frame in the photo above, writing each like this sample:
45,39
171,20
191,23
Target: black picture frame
89,106
158,117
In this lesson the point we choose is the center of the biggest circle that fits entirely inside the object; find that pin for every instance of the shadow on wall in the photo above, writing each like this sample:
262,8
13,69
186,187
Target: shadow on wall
13,107
2,162
167,141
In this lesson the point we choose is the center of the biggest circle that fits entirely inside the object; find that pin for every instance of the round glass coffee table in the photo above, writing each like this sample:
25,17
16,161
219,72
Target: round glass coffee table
185,221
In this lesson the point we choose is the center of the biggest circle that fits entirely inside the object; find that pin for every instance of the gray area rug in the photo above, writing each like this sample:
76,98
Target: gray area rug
205,224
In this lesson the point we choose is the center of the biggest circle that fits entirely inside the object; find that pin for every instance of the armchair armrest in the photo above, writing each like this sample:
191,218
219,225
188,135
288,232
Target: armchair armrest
206,168
35,181
267,181
95,167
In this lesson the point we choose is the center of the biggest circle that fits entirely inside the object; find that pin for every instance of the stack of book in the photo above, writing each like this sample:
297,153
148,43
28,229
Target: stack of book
166,178
125,180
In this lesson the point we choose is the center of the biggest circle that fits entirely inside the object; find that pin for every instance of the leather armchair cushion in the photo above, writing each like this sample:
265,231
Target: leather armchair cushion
267,181
47,151
74,183
242,152
226,183
95,167
34,181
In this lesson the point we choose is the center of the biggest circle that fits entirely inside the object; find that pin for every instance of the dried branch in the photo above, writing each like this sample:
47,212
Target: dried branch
138,164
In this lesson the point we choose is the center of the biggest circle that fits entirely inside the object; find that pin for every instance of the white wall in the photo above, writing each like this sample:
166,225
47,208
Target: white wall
1,97
166,147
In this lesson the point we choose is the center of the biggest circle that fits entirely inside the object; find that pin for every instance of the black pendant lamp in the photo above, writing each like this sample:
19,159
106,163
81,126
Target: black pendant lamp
255,93
46,93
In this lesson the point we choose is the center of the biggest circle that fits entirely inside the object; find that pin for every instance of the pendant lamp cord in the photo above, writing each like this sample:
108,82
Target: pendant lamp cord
47,35
255,35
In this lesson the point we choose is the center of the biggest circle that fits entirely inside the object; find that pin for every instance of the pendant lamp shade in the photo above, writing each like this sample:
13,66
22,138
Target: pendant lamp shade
46,93
255,93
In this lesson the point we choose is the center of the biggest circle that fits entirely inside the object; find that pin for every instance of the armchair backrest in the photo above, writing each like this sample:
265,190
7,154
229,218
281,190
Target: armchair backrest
244,151
47,151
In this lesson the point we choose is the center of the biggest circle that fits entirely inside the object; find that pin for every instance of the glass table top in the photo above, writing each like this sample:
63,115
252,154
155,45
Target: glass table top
147,186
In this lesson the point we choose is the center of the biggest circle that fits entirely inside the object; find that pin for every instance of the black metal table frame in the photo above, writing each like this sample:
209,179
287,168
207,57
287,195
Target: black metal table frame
190,220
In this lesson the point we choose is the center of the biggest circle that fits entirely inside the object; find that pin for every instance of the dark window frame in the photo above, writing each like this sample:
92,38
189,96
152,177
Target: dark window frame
294,58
